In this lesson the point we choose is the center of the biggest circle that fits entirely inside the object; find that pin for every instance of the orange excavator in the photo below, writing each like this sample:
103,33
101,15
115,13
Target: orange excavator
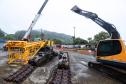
111,52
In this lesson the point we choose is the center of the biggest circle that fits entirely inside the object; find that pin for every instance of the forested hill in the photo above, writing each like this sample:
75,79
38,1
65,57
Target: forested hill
60,36
47,35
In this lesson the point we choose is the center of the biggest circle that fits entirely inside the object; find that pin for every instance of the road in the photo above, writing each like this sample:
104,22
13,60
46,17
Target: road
81,74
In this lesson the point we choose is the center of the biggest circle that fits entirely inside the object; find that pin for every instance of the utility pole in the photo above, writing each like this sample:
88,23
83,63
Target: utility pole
74,38
42,34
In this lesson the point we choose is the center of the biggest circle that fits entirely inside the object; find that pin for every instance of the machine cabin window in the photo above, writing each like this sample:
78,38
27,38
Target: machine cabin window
109,47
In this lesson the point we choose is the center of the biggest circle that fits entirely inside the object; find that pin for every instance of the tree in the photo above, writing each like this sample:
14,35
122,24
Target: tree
9,37
101,36
57,41
19,34
91,41
2,34
80,41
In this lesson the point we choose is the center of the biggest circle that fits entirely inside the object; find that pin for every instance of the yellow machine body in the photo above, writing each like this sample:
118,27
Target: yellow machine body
20,52
119,55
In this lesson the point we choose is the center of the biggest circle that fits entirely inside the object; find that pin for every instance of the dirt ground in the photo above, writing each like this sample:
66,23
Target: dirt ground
81,74
85,52
39,76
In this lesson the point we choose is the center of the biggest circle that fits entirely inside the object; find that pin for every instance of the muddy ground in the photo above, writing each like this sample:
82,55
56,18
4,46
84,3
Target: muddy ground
39,76
81,74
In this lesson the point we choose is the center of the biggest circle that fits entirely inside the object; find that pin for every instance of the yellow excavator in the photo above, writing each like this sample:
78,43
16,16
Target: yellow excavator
110,51
20,52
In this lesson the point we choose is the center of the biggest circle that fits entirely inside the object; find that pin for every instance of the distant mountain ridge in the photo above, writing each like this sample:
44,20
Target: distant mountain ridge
54,35
37,34
47,35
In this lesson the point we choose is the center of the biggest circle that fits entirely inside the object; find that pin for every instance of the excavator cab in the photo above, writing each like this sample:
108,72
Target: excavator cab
109,48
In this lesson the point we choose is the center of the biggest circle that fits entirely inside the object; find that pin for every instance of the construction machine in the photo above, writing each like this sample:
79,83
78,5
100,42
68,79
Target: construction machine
20,52
27,34
111,51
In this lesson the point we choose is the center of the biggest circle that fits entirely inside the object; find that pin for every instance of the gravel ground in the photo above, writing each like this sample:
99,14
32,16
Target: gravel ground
81,74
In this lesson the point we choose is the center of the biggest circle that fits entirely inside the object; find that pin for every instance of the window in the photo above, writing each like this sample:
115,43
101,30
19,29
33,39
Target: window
108,48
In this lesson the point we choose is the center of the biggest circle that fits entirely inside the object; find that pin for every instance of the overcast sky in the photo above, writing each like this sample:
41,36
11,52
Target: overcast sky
17,15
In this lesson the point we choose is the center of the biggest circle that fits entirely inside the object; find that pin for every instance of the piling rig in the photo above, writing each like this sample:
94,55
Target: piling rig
20,52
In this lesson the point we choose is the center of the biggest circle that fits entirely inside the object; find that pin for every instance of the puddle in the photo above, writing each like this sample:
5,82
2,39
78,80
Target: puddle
83,62
83,75
3,61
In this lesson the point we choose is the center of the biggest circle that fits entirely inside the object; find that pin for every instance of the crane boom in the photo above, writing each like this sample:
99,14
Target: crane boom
27,34
110,28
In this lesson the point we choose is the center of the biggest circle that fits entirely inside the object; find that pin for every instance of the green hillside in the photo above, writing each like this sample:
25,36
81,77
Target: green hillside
47,35
63,37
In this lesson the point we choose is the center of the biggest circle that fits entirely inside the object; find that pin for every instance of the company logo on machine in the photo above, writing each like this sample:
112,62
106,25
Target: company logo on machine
19,60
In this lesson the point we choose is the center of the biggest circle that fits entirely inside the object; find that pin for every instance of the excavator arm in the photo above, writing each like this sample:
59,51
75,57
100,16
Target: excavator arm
27,34
110,28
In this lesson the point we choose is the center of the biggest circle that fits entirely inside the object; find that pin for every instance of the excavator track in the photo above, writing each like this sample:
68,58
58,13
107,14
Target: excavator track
26,70
113,72
21,74
60,74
